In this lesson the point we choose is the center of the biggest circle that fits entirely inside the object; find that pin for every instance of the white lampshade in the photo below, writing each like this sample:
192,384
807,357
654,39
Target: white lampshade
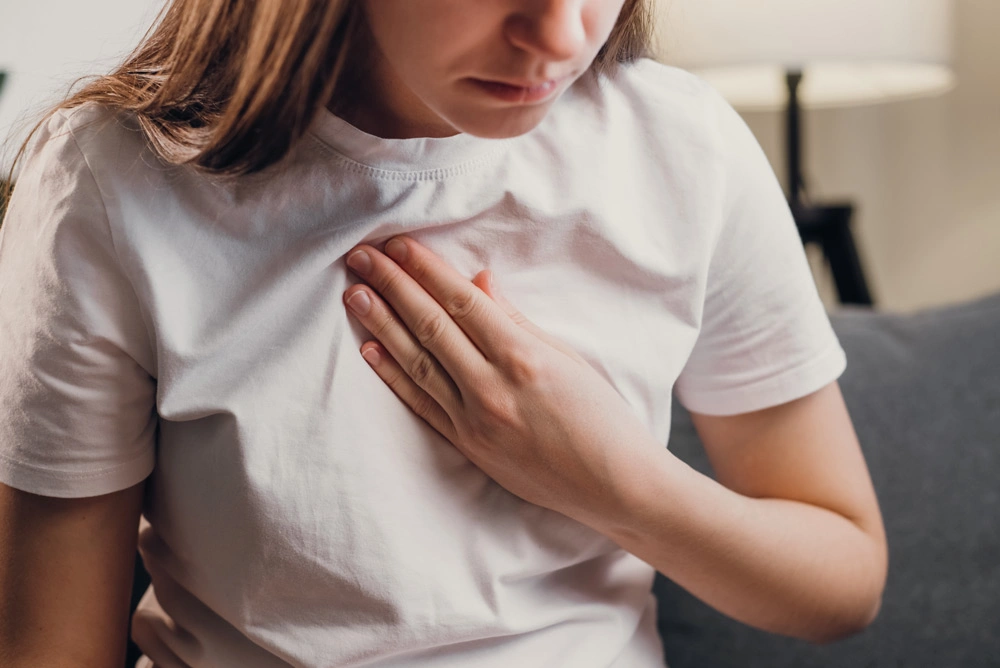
850,51
47,44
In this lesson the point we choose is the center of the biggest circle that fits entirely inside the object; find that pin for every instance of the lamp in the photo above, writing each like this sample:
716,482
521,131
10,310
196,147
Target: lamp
794,54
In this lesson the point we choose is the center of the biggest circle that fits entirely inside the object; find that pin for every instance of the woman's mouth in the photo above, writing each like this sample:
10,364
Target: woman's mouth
520,94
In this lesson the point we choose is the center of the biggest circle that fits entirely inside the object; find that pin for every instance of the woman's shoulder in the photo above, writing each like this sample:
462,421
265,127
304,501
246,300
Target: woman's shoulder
651,77
646,84
656,104
90,137
95,122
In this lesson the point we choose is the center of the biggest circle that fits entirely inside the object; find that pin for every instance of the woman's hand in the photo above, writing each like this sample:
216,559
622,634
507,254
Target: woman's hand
802,554
520,404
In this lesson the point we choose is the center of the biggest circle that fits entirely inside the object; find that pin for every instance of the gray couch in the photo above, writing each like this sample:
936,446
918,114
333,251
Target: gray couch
924,393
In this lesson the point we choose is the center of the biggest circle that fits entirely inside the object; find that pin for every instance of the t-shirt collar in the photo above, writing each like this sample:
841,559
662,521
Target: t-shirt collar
421,154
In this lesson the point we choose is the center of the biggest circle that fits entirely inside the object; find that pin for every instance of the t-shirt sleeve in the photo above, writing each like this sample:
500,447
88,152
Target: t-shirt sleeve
77,393
765,336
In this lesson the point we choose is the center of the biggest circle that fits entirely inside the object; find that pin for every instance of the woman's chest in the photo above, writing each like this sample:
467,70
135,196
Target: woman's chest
313,469
262,334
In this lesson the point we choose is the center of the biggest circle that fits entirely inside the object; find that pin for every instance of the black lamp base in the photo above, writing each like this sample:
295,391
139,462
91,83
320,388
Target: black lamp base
829,226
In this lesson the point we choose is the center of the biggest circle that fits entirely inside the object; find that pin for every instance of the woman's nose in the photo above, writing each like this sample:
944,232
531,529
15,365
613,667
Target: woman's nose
552,28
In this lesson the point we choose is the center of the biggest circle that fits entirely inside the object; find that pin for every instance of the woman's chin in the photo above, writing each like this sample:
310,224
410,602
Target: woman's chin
501,123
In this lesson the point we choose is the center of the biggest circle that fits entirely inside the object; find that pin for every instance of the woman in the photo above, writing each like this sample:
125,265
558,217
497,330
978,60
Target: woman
492,488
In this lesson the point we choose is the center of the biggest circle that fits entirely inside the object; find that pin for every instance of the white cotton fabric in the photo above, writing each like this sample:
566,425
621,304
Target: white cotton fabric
154,321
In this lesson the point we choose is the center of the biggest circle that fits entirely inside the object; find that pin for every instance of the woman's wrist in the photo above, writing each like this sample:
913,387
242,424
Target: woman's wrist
640,489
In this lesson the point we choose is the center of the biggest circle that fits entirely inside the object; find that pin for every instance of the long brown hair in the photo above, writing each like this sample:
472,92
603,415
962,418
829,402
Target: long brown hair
229,85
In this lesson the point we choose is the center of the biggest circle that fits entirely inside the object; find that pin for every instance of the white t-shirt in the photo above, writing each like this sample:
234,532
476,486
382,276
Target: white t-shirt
156,321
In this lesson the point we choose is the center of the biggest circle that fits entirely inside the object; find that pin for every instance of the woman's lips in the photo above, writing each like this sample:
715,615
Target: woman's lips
518,94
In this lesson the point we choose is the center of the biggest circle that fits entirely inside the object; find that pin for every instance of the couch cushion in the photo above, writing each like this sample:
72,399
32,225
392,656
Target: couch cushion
924,394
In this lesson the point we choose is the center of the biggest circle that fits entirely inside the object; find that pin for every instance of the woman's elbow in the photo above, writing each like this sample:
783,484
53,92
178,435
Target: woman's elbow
858,611
847,625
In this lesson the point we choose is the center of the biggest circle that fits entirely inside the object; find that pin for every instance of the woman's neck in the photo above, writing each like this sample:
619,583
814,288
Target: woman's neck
372,98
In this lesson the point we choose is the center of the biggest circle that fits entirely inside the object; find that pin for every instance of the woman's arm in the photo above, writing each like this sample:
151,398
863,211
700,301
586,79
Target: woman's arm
66,578
790,541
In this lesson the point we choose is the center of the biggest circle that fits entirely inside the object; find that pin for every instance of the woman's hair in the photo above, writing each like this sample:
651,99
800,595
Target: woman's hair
230,85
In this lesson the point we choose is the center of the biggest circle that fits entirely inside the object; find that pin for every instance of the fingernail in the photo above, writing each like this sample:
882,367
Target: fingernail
360,262
359,302
396,249
371,356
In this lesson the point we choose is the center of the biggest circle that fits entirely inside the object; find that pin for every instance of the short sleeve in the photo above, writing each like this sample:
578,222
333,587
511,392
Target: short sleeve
765,336
77,393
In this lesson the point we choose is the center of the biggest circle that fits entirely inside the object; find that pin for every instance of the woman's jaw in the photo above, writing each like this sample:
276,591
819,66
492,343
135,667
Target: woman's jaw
440,67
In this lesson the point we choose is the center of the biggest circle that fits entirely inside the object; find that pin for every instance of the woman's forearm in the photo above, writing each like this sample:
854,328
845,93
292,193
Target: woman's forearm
778,565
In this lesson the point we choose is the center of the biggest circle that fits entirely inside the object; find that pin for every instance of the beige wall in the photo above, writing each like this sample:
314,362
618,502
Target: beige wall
924,176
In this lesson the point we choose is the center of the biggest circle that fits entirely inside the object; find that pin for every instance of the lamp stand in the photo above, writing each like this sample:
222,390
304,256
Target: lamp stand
829,226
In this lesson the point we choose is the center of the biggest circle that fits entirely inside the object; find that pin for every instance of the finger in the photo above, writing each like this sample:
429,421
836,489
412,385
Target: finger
478,317
420,367
419,401
421,315
484,281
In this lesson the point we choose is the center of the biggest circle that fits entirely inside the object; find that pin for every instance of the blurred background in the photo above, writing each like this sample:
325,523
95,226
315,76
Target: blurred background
922,173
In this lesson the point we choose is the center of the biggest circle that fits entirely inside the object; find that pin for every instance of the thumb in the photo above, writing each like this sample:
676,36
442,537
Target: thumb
484,281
